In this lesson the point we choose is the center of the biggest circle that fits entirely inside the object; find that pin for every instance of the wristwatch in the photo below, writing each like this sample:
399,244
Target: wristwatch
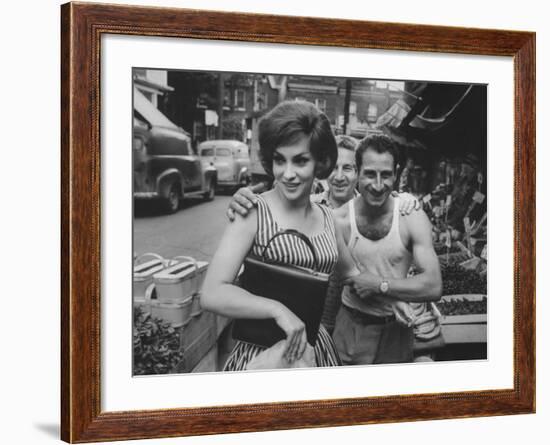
384,287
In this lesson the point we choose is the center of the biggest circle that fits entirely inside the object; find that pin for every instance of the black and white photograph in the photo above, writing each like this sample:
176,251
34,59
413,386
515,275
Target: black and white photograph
293,221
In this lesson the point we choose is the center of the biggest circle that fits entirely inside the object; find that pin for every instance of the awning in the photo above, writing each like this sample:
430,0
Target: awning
447,118
436,122
150,113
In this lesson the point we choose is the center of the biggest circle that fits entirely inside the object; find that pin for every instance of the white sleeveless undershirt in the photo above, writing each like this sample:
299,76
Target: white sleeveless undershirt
387,257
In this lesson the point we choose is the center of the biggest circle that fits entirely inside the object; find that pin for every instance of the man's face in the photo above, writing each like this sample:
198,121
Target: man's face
343,178
376,177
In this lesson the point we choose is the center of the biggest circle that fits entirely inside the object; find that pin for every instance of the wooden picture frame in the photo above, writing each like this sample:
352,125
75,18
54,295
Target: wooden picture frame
82,26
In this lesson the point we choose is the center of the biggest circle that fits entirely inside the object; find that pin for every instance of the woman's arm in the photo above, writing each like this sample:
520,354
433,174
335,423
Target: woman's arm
220,295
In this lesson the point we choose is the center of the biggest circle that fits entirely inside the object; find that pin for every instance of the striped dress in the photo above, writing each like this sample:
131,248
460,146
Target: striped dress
290,250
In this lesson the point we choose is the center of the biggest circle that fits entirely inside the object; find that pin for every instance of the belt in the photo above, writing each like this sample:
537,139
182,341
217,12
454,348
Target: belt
363,318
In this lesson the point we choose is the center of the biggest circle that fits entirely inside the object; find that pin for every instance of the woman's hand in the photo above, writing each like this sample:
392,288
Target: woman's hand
243,200
295,330
403,313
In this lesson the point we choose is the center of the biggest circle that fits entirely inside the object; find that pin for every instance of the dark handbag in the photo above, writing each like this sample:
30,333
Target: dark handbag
301,290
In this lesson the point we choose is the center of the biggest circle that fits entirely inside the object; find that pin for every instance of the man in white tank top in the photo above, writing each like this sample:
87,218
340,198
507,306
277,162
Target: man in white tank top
383,243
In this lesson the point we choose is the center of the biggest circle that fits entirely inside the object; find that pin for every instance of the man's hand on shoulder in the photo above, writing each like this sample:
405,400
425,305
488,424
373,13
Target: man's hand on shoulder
243,200
407,203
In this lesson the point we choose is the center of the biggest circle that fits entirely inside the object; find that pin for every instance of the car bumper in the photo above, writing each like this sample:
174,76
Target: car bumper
226,183
146,195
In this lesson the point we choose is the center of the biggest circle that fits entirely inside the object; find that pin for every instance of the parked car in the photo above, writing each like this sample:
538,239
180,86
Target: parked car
165,167
231,160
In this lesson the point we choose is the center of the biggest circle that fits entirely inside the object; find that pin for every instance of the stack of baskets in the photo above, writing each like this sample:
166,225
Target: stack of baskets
144,270
169,289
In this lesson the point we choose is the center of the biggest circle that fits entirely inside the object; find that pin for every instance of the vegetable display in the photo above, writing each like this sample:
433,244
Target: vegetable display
462,306
156,345
457,280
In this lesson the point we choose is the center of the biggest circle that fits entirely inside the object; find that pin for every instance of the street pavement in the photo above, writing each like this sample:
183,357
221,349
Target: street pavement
195,230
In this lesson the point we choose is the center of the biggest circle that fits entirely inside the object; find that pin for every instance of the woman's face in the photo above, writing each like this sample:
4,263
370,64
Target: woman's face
294,170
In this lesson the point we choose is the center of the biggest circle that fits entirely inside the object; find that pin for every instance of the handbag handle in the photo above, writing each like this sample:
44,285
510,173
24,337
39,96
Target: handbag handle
299,235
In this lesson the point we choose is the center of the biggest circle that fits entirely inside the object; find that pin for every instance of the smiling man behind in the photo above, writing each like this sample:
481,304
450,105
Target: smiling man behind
343,179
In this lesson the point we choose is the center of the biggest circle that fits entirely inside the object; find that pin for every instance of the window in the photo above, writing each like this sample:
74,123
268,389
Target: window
223,152
262,101
207,152
372,112
226,99
352,108
321,104
201,101
240,98
169,147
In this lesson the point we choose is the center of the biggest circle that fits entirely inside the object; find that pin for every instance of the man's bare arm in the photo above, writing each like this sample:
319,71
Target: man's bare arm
426,285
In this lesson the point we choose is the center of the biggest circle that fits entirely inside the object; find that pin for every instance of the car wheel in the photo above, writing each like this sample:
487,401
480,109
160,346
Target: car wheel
210,191
172,201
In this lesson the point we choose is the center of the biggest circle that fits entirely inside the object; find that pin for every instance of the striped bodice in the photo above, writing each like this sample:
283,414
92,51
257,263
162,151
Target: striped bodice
289,249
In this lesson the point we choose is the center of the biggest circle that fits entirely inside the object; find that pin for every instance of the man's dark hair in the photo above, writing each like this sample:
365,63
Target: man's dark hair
347,142
380,143
290,121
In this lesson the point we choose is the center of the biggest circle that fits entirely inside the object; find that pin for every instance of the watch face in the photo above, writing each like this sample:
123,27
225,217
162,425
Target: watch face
384,286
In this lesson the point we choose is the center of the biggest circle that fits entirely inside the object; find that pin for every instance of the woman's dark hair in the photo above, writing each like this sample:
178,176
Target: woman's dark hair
290,121
380,143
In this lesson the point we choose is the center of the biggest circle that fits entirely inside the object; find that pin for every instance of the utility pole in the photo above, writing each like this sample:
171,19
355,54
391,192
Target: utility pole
347,101
221,89
282,88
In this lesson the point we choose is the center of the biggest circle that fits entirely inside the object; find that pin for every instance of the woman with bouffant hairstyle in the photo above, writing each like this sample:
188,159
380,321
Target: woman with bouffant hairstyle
296,146
291,121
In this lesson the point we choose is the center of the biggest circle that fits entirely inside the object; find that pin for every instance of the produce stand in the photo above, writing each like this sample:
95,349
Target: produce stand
461,326
464,327
197,340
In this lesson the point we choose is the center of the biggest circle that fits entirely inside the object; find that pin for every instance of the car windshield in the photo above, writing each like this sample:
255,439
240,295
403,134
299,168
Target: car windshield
207,152
223,152
168,147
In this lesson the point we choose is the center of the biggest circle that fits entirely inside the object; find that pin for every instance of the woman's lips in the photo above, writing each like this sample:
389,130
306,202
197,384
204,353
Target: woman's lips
291,186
